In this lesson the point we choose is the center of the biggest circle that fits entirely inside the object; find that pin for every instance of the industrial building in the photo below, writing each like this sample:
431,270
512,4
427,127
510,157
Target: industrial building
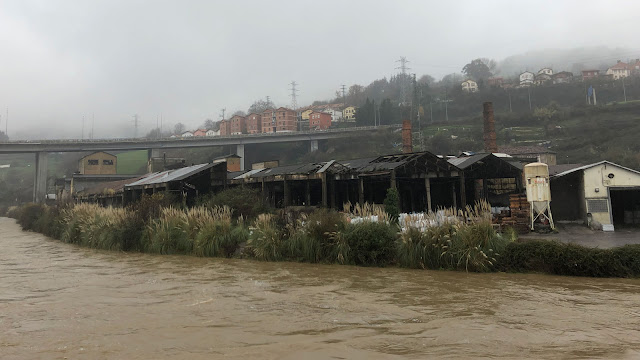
603,192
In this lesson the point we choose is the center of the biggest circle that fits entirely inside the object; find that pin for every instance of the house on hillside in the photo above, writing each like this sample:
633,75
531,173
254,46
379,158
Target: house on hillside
200,132
211,132
237,125
304,114
542,79
336,113
349,113
590,74
562,77
99,162
469,86
619,70
279,120
634,66
319,120
187,134
603,193
225,128
495,81
253,123
547,71
527,78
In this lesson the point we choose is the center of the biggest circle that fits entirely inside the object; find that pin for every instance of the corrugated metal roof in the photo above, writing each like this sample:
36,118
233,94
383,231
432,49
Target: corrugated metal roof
244,174
466,161
104,188
592,165
171,175
557,169
300,169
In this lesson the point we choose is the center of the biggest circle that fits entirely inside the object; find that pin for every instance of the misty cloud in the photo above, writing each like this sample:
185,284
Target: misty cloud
187,60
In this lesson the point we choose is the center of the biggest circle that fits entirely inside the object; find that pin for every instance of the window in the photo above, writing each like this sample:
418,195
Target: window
107,162
92,162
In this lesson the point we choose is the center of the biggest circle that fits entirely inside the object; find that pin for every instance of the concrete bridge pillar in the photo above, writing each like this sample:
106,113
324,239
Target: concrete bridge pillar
240,152
40,177
151,154
314,145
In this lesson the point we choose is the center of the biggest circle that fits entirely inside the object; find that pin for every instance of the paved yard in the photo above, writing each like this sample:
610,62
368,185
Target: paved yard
581,235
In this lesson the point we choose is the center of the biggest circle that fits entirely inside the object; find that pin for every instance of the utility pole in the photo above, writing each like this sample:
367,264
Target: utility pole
82,136
93,121
135,126
223,110
624,90
6,123
160,124
403,81
344,95
294,94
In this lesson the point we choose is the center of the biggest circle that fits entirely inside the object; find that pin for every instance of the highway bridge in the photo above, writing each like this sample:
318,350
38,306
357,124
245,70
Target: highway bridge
41,148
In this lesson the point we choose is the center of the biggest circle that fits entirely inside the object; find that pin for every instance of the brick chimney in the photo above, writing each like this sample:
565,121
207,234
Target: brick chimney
490,144
407,145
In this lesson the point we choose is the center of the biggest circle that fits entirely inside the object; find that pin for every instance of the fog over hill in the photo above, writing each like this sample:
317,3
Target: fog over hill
574,60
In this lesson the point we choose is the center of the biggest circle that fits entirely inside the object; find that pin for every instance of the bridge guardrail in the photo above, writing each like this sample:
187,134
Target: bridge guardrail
196,138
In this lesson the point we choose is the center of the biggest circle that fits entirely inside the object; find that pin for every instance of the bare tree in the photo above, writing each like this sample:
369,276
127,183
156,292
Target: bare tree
178,128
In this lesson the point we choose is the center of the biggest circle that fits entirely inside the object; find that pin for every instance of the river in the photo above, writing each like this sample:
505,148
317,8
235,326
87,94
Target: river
59,301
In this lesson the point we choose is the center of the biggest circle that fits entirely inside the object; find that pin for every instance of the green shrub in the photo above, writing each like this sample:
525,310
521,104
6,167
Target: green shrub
392,204
150,206
29,214
266,241
314,239
219,238
371,243
244,202
569,259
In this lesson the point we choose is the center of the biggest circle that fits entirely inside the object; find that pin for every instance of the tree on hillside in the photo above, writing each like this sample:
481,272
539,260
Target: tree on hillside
178,128
365,114
389,113
450,80
544,115
239,113
426,79
354,96
259,106
479,69
208,124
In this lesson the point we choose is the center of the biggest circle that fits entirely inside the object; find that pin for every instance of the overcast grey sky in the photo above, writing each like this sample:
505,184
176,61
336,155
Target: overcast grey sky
62,59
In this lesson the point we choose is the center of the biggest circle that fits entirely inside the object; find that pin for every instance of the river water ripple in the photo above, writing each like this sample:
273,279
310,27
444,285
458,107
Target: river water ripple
60,301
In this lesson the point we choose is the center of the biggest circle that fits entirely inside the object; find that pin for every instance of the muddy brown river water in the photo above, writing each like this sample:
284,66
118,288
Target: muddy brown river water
59,301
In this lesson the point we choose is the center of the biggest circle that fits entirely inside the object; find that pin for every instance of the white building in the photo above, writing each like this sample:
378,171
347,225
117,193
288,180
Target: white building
619,70
602,193
527,78
187,134
336,115
213,132
547,71
469,86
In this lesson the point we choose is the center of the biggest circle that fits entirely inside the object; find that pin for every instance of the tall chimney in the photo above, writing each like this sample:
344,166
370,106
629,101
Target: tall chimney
407,145
490,144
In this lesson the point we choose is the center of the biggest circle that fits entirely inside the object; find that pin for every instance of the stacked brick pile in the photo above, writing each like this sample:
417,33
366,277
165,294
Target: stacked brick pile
520,214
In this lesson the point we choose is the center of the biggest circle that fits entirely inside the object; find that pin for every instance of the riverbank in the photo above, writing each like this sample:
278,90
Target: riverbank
463,241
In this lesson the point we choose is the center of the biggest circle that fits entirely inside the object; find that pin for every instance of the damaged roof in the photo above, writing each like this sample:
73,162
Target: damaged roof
171,175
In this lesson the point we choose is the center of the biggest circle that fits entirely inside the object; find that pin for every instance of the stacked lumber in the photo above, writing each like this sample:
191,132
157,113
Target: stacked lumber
520,214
